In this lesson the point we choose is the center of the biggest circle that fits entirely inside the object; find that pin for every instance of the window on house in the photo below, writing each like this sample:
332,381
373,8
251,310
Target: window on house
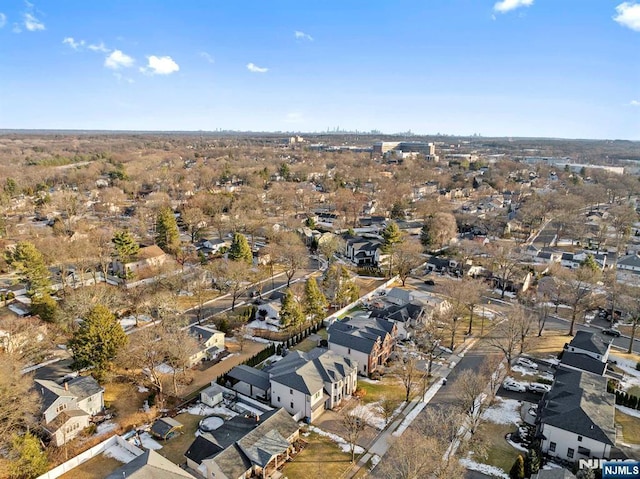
570,453
552,447
278,398
290,391
291,405
349,351
579,438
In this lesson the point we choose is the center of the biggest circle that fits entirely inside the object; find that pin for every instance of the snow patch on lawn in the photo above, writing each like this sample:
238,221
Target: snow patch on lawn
503,411
119,453
105,427
142,389
341,442
524,371
515,445
632,375
628,411
483,468
371,414
257,324
145,441
200,409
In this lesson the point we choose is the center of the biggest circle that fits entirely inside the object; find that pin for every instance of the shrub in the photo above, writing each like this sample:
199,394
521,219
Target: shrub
638,365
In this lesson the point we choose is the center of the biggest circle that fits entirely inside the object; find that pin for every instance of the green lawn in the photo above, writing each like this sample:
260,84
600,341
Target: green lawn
320,459
389,387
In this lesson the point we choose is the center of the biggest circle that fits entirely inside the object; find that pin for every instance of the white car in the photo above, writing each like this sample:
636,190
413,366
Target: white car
513,385
539,388
527,363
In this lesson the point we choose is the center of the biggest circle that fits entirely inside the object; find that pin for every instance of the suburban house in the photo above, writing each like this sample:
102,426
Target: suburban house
67,409
147,258
586,352
250,381
365,340
244,447
18,333
210,247
150,464
630,262
576,418
307,384
363,251
210,341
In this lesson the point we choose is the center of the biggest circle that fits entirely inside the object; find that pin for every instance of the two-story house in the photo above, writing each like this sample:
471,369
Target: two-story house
147,257
368,341
363,251
588,352
67,408
576,418
210,341
307,384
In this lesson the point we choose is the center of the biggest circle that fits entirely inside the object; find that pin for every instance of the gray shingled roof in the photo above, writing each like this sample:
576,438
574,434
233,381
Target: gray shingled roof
163,426
150,465
584,362
359,333
249,375
589,341
80,388
202,333
579,402
84,386
203,447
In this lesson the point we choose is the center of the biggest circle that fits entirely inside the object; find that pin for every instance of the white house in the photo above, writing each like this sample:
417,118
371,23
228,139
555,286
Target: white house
306,384
577,417
67,409
589,344
363,251
210,341
630,262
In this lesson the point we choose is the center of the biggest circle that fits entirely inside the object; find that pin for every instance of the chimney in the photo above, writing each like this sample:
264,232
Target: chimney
66,386
257,417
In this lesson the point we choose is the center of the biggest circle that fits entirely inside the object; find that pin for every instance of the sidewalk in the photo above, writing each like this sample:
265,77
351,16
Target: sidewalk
380,445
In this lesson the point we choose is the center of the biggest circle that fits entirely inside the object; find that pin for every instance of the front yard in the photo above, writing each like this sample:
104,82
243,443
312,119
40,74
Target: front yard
320,459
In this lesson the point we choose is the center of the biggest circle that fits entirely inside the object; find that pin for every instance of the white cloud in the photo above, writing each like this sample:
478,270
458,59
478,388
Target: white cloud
302,36
72,43
634,103
98,48
504,6
117,60
160,66
31,23
628,15
3,20
207,57
253,68
122,79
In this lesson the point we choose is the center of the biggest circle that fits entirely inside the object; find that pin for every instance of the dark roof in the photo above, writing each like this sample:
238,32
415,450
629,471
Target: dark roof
583,362
589,341
163,426
249,375
80,388
579,402
359,333
84,386
150,465
399,313
630,260
235,428
203,447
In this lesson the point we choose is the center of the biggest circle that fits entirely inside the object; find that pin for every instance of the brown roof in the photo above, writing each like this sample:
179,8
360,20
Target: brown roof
148,252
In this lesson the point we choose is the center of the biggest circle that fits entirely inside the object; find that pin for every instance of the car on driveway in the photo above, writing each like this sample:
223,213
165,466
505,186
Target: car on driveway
429,282
539,388
512,385
611,332
527,363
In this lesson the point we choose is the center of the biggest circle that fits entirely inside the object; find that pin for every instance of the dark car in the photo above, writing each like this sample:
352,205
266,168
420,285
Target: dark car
429,282
611,332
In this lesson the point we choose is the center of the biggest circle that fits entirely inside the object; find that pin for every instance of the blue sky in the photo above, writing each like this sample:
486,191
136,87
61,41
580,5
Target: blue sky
555,68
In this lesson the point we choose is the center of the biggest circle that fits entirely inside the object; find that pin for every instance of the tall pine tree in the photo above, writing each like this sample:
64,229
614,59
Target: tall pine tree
167,233
291,314
391,236
315,303
240,249
29,263
125,245
98,340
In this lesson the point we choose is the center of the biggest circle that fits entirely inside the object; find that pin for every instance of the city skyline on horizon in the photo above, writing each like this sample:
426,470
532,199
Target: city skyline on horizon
507,68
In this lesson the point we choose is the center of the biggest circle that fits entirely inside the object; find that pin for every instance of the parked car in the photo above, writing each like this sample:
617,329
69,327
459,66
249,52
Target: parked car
611,332
527,363
513,385
539,388
429,282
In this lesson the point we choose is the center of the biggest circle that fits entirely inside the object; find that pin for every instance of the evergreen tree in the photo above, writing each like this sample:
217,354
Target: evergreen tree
167,233
29,263
125,245
291,314
29,460
531,463
45,307
590,263
98,340
517,470
240,249
391,236
315,303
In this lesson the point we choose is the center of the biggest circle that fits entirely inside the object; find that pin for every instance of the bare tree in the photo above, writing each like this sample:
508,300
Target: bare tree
180,347
234,277
387,407
409,374
473,289
505,263
469,387
428,337
354,421
406,257
505,337
576,286
290,254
